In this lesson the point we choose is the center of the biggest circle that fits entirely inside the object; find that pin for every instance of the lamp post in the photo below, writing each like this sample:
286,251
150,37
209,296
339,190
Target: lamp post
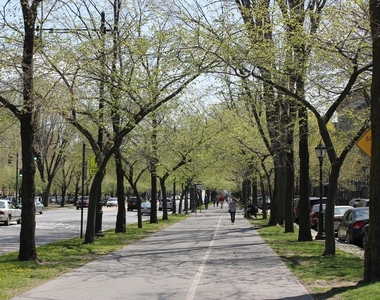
320,150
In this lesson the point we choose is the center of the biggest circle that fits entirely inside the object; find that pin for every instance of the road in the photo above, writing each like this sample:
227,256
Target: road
58,224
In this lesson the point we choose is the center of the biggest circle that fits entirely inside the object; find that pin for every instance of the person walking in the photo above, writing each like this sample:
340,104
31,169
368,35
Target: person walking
232,209
221,200
206,201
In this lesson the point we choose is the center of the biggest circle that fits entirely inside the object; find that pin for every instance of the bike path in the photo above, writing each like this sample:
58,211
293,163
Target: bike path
202,257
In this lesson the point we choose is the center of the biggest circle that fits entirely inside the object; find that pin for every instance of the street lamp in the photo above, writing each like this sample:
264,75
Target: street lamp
320,150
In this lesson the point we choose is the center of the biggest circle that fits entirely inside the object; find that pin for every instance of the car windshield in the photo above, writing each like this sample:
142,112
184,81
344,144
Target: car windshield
361,214
2,204
316,207
340,210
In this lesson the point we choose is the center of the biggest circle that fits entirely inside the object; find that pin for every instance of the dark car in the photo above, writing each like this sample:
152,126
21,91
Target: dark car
350,227
365,236
363,203
312,202
104,201
132,203
314,215
86,201
354,202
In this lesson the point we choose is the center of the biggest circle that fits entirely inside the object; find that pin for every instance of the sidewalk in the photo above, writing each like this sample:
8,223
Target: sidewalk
203,257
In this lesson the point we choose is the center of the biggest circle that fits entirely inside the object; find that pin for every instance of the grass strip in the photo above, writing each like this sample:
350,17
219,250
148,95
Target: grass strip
325,277
18,277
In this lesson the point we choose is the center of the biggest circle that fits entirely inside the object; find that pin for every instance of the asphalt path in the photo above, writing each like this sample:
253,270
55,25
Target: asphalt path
203,257
58,224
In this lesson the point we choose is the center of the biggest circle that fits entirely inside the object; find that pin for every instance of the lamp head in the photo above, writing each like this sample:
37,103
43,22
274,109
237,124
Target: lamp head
320,150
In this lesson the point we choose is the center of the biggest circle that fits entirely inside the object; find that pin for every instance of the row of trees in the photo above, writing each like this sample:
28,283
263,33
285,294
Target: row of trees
121,81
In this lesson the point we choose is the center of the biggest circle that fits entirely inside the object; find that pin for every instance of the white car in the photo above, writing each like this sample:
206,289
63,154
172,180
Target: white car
39,206
145,208
169,204
9,212
111,202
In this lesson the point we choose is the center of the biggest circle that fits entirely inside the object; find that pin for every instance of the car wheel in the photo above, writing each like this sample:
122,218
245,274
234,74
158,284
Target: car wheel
41,211
6,223
348,238
19,221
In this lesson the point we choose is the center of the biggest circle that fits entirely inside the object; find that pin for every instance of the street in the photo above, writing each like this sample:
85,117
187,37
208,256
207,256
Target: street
58,224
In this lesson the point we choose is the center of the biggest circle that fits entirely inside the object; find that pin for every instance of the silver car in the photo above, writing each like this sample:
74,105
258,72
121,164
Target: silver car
39,206
9,212
169,204
145,208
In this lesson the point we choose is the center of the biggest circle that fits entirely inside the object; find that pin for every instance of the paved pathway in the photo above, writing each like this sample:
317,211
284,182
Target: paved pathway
203,257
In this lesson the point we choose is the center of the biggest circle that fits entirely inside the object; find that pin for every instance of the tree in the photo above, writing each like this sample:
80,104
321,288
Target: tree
372,256
145,80
25,111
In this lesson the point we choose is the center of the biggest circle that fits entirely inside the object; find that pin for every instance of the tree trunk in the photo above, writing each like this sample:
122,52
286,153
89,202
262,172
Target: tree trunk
329,211
289,225
153,200
27,249
277,209
372,254
121,215
164,202
27,234
91,213
304,233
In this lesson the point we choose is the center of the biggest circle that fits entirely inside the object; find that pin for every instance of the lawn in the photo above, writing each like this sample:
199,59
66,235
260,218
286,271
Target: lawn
325,277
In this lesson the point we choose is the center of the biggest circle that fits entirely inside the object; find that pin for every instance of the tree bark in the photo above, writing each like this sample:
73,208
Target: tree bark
121,215
304,233
27,249
372,254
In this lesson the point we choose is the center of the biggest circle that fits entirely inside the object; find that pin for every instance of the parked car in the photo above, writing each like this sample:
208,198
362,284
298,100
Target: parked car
111,202
104,200
39,206
169,204
350,227
145,208
132,203
314,215
354,201
86,201
260,202
9,212
339,211
70,199
365,236
363,203
312,202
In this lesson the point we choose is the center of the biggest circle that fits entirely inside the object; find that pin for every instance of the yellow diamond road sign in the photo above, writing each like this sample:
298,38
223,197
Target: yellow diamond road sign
365,142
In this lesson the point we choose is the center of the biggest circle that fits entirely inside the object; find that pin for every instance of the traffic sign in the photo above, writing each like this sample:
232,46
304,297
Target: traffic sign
365,142
93,165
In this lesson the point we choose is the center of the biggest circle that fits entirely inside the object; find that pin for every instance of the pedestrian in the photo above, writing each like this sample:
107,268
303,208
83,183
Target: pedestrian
232,209
221,200
206,201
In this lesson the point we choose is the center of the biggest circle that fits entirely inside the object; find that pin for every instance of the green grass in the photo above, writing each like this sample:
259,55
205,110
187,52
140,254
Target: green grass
325,277
57,258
